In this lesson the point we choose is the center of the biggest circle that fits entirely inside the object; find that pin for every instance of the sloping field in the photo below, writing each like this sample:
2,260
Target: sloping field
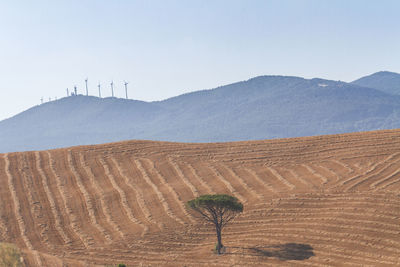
315,201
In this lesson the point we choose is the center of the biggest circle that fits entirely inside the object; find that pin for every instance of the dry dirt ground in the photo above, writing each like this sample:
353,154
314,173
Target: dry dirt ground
316,201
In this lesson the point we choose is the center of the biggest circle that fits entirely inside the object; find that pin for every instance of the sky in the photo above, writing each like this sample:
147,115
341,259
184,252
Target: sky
165,48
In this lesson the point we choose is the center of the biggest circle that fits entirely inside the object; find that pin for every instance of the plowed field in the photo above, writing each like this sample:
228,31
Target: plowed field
315,201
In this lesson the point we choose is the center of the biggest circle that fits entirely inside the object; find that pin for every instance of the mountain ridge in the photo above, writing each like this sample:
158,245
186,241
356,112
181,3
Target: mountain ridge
263,107
385,81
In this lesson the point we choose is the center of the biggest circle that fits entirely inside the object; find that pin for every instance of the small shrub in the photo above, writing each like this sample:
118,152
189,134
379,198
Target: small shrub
222,250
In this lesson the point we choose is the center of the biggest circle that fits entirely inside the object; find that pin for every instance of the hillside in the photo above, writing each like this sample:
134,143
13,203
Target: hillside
313,201
388,82
260,108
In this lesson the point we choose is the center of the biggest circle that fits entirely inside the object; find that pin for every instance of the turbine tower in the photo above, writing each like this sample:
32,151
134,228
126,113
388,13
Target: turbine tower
87,92
76,92
112,88
126,89
67,92
99,90
41,99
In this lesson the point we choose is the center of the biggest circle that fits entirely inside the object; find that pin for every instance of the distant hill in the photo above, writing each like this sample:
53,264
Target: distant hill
385,81
260,108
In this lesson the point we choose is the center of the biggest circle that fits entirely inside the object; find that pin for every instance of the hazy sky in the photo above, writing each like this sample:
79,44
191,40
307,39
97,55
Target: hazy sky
165,48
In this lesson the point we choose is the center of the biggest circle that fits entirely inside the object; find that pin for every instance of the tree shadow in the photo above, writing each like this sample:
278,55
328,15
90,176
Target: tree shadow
283,252
288,251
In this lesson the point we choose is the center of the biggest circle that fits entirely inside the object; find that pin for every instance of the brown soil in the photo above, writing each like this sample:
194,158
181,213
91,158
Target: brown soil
315,201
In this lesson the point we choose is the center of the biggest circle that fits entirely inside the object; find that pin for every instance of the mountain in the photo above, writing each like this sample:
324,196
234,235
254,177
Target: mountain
385,81
260,108
75,120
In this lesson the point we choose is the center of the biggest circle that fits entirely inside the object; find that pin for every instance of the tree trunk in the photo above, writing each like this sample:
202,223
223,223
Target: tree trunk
219,245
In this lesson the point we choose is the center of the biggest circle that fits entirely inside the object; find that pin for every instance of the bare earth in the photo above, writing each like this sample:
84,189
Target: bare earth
315,201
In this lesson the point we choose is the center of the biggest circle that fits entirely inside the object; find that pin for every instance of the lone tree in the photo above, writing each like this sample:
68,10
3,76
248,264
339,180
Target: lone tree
217,209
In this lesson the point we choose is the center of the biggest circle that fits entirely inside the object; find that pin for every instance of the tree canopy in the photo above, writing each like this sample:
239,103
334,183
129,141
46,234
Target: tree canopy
218,209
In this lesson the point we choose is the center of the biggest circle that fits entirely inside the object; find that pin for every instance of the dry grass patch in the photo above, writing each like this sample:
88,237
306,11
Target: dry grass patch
10,256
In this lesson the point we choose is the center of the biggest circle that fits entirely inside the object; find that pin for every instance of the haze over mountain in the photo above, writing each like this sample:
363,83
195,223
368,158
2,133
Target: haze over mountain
260,108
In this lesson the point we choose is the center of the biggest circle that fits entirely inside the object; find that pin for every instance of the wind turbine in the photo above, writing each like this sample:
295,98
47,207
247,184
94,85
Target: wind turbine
41,99
67,92
76,92
87,92
126,89
112,88
99,90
